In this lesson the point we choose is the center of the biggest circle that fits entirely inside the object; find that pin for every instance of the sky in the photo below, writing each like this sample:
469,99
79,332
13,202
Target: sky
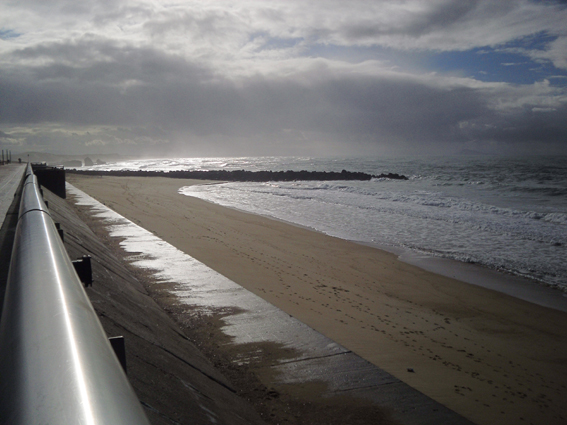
306,78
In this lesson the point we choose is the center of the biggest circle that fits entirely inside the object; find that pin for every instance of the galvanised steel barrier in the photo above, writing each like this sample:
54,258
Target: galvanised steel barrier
56,364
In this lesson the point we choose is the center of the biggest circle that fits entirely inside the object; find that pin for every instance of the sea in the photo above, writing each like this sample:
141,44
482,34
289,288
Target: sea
506,215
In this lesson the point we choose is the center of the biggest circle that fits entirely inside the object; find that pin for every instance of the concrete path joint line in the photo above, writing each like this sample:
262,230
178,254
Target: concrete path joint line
312,358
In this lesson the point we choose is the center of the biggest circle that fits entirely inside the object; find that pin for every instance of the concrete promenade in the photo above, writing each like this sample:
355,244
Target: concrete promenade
10,178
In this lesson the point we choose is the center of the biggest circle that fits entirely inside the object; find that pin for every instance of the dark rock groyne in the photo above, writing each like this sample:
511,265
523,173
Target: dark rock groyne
249,176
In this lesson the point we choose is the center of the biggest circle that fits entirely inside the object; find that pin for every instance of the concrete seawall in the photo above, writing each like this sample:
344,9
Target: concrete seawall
174,382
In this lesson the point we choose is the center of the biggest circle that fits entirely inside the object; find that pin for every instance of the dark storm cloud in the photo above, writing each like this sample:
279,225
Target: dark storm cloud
100,91
531,130
144,88
140,86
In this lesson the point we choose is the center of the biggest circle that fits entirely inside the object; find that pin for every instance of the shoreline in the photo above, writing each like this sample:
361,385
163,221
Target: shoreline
515,286
519,287
488,356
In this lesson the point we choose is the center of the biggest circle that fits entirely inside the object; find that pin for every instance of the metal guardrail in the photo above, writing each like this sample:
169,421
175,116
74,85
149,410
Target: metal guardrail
56,364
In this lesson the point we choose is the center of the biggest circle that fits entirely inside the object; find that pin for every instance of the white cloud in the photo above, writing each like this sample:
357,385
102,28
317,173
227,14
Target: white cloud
238,30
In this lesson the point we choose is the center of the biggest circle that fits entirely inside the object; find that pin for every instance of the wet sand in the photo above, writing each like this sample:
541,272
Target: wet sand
486,355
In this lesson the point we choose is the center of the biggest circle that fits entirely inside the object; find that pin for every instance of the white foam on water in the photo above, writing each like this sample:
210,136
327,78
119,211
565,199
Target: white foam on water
526,243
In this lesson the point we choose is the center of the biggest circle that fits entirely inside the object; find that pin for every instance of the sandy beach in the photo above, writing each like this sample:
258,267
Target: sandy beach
488,356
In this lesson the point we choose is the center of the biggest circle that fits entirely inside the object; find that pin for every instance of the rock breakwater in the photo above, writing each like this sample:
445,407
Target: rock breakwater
249,176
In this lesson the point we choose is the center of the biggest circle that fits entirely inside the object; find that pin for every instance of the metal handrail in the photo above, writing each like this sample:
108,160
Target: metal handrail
56,364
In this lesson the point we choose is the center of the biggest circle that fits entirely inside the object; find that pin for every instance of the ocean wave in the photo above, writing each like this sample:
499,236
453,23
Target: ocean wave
366,197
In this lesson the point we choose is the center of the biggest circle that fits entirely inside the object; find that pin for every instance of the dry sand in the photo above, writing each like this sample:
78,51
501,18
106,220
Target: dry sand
488,356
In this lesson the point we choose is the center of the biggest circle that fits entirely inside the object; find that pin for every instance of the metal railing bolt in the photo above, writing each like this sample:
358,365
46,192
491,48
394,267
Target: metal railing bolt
84,270
119,347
